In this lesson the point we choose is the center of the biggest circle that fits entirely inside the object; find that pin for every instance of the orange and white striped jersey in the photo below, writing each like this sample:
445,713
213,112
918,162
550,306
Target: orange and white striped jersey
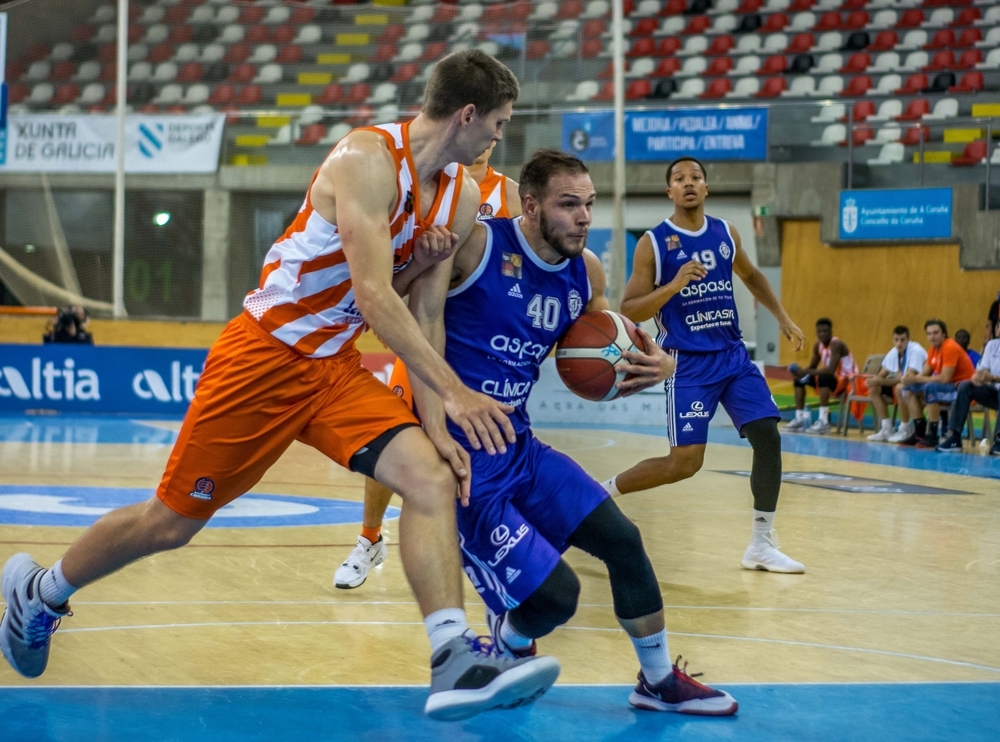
493,196
306,298
847,367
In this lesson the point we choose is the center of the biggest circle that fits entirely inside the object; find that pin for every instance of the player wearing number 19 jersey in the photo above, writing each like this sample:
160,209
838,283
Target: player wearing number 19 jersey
683,277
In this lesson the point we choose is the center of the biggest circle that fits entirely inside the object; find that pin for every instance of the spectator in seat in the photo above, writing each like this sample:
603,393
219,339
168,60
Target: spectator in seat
983,388
69,326
906,358
832,377
993,318
963,338
947,366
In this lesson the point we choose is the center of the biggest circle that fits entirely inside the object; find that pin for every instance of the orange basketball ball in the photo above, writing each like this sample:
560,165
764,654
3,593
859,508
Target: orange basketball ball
589,357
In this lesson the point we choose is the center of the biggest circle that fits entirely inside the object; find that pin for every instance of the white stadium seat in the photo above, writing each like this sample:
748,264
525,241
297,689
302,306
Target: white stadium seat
775,43
802,86
641,67
386,114
172,93
888,110
891,153
946,108
992,60
91,94
748,44
309,34
357,72
694,45
671,26
746,87
830,86
263,53
335,133
421,14
596,9
830,63
41,93
544,11
152,14
470,12
201,14
156,34
269,73
886,62
232,34
885,19
887,85
746,65
277,15
914,39
383,93
646,9
885,135
186,53
803,21
37,72
61,52
416,32
137,52
105,34
212,53
89,70
311,115
409,52
725,24
196,94
829,41
829,114
227,14
941,17
140,72
282,137
104,14
165,72
585,90
832,135
693,66
915,61
691,88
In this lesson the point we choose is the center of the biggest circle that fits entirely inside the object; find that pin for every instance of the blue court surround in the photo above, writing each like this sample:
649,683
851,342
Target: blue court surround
792,713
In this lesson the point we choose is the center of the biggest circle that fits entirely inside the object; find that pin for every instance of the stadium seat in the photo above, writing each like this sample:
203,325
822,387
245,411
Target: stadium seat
37,72
941,17
335,133
165,72
268,74
291,54
62,71
607,92
991,17
969,37
975,153
641,48
61,51
405,72
383,93
856,20
311,135
242,73
887,85
943,39
570,9
91,94
772,88
591,48
885,135
890,154
642,67
667,46
237,54
156,34
720,45
190,72
182,34
694,66
849,5
884,41
861,111
249,95
885,18
748,44
915,61
774,43
227,14
212,53
196,94
915,39
277,15
638,89
971,82
16,93
544,11
719,66
671,26
263,54
801,43
888,110
309,34
717,88
829,41
596,9
941,82
691,88
567,29
831,62
646,9
358,93
331,95
65,94
829,21
856,64
966,17
913,134
915,83
282,34
748,64
992,60
773,65
829,86
915,110
694,45
943,60
832,135
540,48
667,67
594,27
201,14
911,18
434,50
862,135
774,23
697,25
992,38
140,72
222,95
724,24
750,6
585,90
169,94
886,62
803,22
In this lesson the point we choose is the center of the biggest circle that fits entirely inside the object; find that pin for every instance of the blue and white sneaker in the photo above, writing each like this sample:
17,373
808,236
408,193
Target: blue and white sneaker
28,623
951,443
495,621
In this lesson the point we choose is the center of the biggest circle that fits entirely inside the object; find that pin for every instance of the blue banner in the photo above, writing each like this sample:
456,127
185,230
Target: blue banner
730,134
589,136
914,213
85,378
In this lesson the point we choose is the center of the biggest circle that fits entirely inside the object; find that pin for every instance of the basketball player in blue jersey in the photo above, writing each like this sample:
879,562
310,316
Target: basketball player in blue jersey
516,287
683,276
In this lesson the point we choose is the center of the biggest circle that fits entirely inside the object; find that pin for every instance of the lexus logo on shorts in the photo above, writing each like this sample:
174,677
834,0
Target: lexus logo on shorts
500,535
697,406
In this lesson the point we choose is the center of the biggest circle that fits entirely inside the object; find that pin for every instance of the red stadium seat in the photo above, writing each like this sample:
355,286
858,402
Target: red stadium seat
856,20
969,37
160,53
638,89
257,35
667,46
135,34
253,14
721,44
302,15
884,41
82,33
607,92
222,95
444,14
698,24
608,72
434,51
36,52
966,17
149,108
283,34
180,34
915,83
190,72
667,67
718,88
591,48
236,53
242,73
857,86
569,9
673,7
594,27
642,48
537,49
911,137
331,94
749,6
829,21
942,61
719,66
17,93
359,93
405,73
311,135
857,63
15,70
176,14
911,18
969,59
249,95
801,43
974,154
107,53
861,135
850,5
773,65
801,6
392,33
773,88
774,23
289,55
971,82
521,10
62,71
65,94
862,110
943,39
384,53
645,27
915,110
110,95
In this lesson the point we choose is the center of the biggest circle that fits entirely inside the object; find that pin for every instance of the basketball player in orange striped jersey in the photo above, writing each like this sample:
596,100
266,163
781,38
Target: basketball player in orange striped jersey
287,369
498,199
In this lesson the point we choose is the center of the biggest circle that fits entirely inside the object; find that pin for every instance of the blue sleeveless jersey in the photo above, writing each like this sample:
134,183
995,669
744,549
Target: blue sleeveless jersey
702,317
505,318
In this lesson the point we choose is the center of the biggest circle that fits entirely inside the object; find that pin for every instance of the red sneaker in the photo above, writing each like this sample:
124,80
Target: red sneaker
681,693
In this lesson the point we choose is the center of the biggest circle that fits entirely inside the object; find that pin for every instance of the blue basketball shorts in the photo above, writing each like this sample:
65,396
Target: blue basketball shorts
525,505
702,381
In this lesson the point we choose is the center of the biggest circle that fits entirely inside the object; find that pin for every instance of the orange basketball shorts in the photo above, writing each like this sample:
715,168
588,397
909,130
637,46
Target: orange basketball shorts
257,395
399,382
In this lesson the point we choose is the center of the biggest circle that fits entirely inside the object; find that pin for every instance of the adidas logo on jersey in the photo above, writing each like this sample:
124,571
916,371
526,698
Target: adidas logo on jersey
512,574
515,291
681,255
687,428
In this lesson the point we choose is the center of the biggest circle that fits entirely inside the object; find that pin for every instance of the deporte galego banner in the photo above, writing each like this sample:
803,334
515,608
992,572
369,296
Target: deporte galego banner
55,143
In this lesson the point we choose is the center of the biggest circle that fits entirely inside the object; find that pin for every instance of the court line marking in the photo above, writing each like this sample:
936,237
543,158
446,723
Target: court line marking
789,642
580,605
311,686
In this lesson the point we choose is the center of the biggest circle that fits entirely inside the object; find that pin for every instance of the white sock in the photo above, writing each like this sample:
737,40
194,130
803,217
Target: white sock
824,414
54,589
886,425
654,656
763,522
611,487
511,638
445,625
802,415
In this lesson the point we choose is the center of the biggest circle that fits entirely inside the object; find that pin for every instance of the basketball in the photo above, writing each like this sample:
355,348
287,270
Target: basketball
589,357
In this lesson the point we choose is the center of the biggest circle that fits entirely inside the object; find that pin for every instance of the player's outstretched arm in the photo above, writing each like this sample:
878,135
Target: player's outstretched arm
652,367
356,189
435,245
761,289
642,297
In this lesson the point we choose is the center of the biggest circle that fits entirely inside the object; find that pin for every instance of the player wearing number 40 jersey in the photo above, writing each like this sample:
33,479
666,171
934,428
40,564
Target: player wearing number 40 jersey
683,276
516,288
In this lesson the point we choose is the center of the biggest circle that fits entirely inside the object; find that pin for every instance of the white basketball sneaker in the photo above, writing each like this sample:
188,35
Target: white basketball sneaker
763,554
796,426
354,571
820,427
28,623
882,436
904,431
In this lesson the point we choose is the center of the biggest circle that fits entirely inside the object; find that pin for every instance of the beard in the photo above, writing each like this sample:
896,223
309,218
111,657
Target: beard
559,243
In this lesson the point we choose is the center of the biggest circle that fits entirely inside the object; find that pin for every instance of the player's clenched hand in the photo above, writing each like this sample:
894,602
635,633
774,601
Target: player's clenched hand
434,245
690,271
458,458
793,333
483,420
652,367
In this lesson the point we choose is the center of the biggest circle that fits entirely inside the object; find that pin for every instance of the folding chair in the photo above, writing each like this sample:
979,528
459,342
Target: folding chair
872,365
